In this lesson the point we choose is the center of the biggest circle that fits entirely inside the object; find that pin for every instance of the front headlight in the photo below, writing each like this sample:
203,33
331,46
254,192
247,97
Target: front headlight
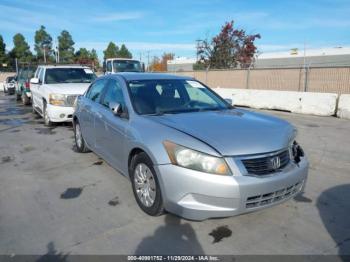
192,159
57,99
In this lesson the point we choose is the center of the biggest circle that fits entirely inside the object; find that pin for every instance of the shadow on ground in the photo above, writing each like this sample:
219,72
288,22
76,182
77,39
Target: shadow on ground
334,208
172,238
52,255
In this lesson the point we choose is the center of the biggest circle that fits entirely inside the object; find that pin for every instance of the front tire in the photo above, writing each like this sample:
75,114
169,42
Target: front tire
145,185
47,121
79,140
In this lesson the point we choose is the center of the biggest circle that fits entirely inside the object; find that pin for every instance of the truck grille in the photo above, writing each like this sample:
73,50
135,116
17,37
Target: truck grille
273,197
268,164
70,100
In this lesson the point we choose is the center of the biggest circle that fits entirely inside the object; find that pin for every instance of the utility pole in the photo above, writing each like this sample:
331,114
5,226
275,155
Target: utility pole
44,55
304,54
148,60
198,41
16,61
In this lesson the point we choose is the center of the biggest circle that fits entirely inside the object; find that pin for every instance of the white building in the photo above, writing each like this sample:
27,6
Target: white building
181,64
321,57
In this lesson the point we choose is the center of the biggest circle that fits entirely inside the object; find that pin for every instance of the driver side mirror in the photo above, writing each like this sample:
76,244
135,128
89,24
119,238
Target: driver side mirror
116,108
229,100
34,80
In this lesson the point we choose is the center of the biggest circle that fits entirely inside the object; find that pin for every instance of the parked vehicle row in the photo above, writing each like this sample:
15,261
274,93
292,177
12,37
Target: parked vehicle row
185,149
23,84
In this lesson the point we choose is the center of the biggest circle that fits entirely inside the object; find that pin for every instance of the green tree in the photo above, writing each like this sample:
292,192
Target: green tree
111,51
124,52
21,49
94,58
82,54
3,57
66,47
43,44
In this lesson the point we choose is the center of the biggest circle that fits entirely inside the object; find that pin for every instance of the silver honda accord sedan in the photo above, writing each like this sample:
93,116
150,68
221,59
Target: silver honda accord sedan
185,149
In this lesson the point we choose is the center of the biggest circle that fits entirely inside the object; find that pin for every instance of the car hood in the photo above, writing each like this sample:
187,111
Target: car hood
68,88
233,132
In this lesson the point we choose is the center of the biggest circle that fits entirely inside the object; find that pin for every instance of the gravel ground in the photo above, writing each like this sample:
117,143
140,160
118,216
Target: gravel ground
56,201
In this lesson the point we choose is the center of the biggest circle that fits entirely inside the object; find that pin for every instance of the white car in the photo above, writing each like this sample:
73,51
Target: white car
54,90
9,85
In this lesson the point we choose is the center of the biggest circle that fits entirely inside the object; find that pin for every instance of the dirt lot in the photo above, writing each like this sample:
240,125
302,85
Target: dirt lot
56,201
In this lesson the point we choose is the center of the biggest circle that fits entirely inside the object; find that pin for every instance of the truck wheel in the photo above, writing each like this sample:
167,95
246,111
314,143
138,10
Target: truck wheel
33,109
47,121
25,99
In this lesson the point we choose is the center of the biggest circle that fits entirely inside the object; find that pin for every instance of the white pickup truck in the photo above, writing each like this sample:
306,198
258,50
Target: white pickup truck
54,90
115,65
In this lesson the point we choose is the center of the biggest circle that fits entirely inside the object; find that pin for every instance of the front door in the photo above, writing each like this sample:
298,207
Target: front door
112,132
89,109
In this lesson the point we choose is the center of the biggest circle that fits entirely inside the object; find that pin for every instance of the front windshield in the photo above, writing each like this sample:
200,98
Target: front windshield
126,66
173,96
69,75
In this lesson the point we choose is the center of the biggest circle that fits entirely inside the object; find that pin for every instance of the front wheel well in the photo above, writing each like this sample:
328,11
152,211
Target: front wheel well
132,154
75,119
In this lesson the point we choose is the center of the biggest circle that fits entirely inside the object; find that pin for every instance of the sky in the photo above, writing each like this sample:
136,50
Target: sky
156,26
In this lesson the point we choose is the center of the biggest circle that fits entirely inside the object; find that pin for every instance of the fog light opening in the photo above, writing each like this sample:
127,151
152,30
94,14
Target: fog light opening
62,115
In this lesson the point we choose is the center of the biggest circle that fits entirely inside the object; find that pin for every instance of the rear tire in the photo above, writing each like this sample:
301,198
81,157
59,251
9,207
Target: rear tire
79,140
145,185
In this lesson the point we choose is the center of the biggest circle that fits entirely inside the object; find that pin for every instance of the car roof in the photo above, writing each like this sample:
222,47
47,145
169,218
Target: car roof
63,66
129,76
121,58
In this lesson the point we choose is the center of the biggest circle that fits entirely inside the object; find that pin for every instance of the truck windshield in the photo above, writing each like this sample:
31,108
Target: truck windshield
126,66
69,75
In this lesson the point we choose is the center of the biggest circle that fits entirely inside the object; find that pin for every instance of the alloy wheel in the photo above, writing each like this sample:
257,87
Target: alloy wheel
145,184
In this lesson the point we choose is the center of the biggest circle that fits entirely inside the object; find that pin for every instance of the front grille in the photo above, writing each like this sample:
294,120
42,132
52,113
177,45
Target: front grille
265,165
70,99
273,197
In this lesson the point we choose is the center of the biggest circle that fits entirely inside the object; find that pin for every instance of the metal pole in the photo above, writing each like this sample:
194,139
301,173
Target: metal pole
16,61
306,79
206,74
44,55
248,77
148,60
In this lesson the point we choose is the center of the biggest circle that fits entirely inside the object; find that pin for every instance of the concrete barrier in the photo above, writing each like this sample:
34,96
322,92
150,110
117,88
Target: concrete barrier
321,104
344,107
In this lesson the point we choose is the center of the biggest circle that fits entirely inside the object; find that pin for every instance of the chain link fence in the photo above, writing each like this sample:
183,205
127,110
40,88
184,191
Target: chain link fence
309,79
